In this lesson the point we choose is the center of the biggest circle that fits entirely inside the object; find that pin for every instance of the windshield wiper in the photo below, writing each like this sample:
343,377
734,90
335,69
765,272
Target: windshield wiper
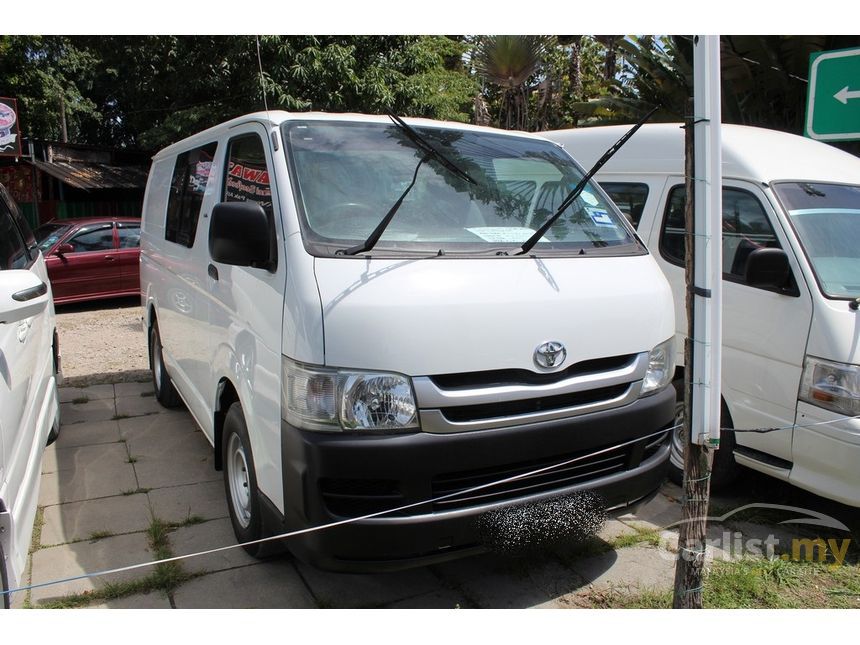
529,243
373,238
422,144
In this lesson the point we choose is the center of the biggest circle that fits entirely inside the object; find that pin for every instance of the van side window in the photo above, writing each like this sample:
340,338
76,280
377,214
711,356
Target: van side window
629,197
247,173
190,176
745,229
13,252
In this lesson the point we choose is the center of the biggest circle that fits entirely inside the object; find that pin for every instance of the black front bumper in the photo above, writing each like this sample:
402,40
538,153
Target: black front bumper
331,476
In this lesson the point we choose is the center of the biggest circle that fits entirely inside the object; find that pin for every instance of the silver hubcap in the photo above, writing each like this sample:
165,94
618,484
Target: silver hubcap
676,446
239,480
156,362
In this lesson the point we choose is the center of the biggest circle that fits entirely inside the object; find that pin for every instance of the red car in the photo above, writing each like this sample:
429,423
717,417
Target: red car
92,258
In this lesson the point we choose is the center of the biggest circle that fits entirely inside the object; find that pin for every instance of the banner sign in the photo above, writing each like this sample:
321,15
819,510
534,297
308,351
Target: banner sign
249,181
10,133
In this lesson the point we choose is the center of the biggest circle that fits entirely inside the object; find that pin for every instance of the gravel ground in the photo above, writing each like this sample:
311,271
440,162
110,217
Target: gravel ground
102,342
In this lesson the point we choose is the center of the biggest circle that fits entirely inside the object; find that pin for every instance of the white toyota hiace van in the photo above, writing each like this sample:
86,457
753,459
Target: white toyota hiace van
791,269
338,301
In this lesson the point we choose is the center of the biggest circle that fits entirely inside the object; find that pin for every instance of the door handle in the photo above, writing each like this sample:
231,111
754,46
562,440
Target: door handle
110,258
212,270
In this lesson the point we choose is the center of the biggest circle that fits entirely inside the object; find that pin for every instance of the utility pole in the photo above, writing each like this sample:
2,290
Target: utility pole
63,119
703,260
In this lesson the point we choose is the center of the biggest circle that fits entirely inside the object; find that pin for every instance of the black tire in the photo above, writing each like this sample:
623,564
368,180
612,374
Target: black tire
4,580
725,469
240,481
55,426
164,390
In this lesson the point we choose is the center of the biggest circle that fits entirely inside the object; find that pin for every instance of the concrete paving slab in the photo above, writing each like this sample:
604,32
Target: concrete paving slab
92,392
614,529
349,590
493,581
155,427
272,585
87,434
69,560
175,459
656,514
88,472
177,503
152,600
93,410
136,406
636,567
443,599
80,520
203,537
134,389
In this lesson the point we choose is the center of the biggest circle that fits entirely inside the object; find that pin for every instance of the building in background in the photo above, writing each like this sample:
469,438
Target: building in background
66,180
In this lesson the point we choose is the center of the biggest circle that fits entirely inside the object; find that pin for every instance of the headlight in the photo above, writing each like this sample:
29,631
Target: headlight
661,367
833,386
331,400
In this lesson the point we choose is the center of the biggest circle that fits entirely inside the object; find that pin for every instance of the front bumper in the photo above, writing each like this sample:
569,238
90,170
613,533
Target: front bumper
331,476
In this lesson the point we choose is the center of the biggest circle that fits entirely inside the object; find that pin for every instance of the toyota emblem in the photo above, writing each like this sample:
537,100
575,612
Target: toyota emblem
550,354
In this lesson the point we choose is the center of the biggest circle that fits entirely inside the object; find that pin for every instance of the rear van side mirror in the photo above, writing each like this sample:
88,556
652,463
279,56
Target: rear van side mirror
240,235
768,269
22,295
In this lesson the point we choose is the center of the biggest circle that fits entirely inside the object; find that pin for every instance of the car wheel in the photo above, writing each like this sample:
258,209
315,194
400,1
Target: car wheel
55,426
164,390
4,580
240,480
725,469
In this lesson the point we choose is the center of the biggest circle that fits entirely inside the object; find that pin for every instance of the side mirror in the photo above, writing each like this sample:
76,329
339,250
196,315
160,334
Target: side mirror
22,295
239,234
768,269
64,248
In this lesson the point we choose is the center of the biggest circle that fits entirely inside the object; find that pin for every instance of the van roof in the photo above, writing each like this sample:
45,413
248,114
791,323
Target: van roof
748,153
274,118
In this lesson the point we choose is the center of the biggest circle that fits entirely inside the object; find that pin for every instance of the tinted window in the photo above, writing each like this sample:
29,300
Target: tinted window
13,253
94,237
745,229
129,235
190,176
629,197
49,234
247,173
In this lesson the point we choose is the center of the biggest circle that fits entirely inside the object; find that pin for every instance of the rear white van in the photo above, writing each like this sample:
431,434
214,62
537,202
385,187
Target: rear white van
791,263
338,301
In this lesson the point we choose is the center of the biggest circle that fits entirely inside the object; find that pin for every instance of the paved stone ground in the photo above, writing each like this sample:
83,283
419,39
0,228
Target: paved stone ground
122,462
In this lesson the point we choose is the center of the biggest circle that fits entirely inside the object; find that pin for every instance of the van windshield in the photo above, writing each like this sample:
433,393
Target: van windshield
347,175
826,218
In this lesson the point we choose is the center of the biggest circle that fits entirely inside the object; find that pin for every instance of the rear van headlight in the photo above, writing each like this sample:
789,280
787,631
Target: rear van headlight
661,367
830,385
330,400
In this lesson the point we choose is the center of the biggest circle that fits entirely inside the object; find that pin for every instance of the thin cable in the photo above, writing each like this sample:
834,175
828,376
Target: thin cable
262,78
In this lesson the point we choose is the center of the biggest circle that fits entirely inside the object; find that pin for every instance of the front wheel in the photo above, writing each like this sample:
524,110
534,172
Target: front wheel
4,580
725,469
240,481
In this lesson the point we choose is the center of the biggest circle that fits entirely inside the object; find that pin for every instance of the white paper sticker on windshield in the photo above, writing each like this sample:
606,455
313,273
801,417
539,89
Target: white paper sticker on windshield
600,217
517,234
589,199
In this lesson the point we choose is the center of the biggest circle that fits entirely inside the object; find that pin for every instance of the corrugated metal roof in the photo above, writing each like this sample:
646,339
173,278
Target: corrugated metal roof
92,176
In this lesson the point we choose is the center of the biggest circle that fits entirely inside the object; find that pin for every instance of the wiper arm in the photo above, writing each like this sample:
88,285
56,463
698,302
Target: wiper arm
429,150
529,243
374,236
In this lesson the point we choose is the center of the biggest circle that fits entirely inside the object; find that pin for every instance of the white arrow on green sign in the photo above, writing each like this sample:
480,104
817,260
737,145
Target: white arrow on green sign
833,98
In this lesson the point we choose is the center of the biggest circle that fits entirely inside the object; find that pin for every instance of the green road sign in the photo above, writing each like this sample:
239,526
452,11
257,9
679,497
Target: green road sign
833,98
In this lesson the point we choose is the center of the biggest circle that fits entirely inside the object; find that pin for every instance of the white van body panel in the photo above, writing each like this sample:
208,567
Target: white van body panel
411,316
765,334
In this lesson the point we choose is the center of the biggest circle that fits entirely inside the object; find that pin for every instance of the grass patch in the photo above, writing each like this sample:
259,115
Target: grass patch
131,460
650,537
118,417
80,400
136,491
165,577
99,535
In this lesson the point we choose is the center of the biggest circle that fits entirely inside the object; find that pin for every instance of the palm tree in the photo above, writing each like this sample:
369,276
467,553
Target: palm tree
510,63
